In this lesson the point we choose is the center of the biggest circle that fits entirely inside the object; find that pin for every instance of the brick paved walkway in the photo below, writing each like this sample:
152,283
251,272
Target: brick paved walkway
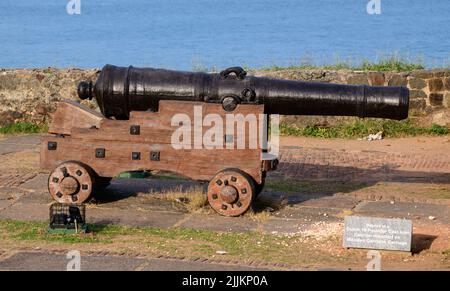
389,159
313,163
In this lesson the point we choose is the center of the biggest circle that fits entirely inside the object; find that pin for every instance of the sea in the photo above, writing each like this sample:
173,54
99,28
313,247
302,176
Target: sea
214,34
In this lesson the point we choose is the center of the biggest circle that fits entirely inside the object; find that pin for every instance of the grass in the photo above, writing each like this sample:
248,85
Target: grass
23,128
189,243
358,128
19,230
395,62
259,216
160,175
446,254
391,63
194,198
364,127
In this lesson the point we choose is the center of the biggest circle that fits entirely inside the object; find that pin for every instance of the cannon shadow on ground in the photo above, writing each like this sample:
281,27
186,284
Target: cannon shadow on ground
123,188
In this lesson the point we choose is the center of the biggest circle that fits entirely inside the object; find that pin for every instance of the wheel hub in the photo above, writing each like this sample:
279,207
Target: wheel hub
229,194
69,186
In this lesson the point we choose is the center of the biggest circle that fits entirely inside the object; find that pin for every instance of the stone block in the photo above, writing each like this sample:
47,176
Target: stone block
6,118
436,99
439,73
441,117
447,100
435,85
447,84
413,94
419,104
417,83
376,78
358,79
397,80
422,74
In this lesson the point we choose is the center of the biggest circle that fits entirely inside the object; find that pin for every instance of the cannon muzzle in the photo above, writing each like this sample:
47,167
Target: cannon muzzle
120,90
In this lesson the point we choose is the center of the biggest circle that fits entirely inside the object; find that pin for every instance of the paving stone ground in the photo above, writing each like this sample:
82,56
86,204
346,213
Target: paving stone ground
46,261
405,178
349,160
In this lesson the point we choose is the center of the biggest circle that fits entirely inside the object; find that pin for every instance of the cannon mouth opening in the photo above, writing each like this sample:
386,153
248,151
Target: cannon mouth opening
404,103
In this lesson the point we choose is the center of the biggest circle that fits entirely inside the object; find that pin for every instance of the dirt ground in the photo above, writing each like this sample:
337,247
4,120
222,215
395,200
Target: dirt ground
297,222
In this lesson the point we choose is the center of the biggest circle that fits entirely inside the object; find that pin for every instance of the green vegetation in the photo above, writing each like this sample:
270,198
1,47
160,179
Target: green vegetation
20,230
364,127
49,71
446,254
194,197
358,128
23,127
392,63
192,243
168,176
37,231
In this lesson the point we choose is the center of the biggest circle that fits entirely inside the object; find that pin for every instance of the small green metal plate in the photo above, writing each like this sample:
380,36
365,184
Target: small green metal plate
134,174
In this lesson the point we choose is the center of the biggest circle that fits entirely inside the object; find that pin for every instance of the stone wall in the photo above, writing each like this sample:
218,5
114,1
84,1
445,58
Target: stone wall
30,94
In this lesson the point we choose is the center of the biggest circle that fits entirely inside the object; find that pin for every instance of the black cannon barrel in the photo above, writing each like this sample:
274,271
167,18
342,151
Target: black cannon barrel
120,90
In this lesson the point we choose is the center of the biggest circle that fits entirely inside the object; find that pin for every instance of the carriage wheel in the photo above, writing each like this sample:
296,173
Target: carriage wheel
71,182
231,192
259,187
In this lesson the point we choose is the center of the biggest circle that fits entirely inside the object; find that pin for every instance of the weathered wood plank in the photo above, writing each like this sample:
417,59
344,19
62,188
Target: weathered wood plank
70,115
155,136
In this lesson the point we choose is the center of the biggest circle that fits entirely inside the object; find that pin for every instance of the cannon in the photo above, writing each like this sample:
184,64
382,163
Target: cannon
120,90
206,126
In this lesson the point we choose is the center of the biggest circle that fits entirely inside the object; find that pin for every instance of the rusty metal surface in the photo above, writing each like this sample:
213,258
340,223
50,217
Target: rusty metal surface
70,183
231,192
